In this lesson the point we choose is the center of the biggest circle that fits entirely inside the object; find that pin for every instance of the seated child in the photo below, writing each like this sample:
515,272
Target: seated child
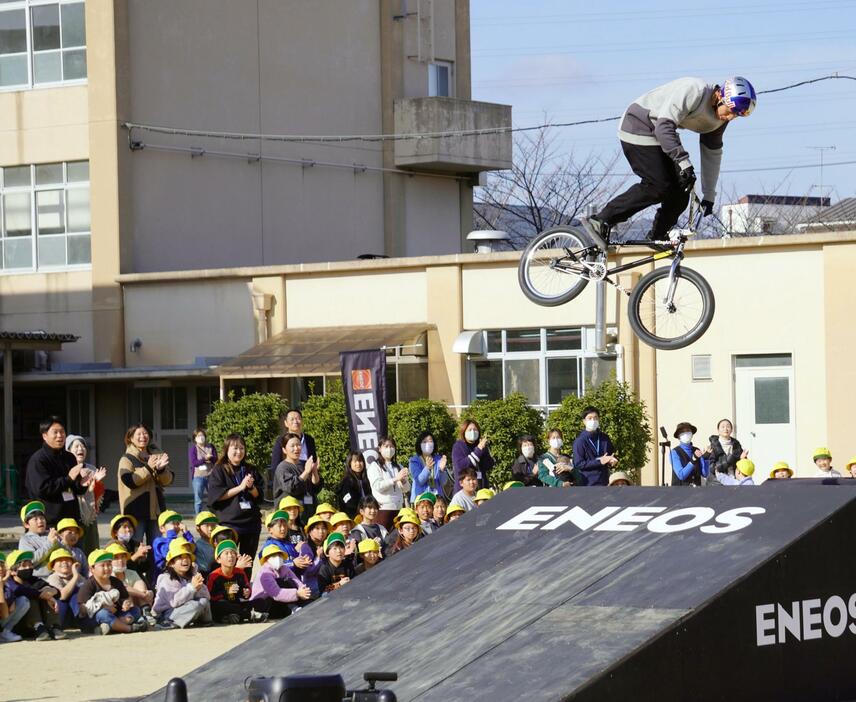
66,579
782,471
103,600
170,526
483,495
205,523
424,507
368,528
37,538
409,531
850,468
469,485
293,507
122,528
454,512
823,460
277,526
341,523
181,598
230,589
325,510
275,586
41,619
316,531
393,535
222,533
70,533
369,553
742,474
439,511
336,570
11,612
137,588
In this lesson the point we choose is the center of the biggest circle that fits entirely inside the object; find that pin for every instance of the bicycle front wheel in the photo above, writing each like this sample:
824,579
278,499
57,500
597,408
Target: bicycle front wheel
550,272
676,325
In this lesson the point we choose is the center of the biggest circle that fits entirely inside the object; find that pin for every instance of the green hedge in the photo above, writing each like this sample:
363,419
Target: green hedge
407,420
503,422
325,419
623,417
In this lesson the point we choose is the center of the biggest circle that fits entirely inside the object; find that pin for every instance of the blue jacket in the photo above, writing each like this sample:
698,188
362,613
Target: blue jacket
161,545
286,546
589,447
425,480
685,472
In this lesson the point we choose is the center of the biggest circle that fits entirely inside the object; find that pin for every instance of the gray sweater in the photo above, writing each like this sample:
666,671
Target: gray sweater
654,118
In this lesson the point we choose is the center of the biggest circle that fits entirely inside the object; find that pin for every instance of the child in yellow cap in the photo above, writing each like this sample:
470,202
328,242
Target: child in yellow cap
230,588
138,589
66,578
205,523
317,530
424,507
781,471
277,525
70,533
41,619
850,468
742,474
822,458
483,495
171,526
181,598
293,508
369,553
409,532
105,604
454,512
275,587
37,537
11,611
336,570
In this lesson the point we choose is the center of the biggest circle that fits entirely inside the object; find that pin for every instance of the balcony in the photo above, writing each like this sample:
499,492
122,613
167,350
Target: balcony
466,154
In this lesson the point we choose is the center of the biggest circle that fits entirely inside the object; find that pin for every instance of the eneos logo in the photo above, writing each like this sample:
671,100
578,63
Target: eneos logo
361,379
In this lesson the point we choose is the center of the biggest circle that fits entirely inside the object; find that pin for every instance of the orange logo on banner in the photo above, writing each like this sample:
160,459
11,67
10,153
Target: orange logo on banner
361,380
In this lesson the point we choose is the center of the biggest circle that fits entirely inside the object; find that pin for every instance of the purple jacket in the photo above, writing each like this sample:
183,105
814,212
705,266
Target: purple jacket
194,461
265,584
464,454
310,575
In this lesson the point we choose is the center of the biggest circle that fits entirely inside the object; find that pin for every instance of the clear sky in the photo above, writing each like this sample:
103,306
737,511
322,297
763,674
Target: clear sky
570,60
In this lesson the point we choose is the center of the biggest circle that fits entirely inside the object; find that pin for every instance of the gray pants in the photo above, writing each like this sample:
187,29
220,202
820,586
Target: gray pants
22,606
193,611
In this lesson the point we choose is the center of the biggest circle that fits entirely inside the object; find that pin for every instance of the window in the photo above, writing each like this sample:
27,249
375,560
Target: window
44,216
702,367
440,79
406,376
206,396
41,43
772,401
173,406
545,365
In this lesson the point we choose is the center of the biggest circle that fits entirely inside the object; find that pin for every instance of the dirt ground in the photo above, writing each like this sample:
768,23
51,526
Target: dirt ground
113,667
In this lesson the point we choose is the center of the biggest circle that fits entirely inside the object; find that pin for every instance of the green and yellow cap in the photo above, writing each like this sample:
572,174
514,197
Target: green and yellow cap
31,509
334,538
206,517
225,545
168,516
58,553
276,516
99,555
426,496
17,556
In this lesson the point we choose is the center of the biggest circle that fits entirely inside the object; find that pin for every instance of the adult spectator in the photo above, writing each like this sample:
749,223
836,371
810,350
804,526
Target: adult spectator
723,451
389,482
92,478
354,486
235,489
292,423
472,449
144,472
297,477
525,466
427,468
593,450
689,466
552,470
53,474
201,457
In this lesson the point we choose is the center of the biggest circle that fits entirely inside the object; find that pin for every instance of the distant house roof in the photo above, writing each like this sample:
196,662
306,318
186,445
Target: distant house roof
796,200
842,215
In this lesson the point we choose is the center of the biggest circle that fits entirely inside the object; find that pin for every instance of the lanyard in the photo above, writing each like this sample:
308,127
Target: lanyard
595,447
236,479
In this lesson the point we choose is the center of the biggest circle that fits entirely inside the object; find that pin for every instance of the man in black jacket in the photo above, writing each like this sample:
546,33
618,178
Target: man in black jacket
53,475
292,421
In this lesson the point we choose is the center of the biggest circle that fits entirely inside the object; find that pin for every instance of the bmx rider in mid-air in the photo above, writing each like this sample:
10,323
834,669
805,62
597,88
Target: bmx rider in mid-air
649,139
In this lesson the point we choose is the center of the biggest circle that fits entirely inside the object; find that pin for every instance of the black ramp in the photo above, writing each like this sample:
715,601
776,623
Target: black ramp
650,592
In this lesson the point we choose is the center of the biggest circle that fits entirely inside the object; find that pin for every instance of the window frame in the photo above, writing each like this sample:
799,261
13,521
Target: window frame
450,67
27,6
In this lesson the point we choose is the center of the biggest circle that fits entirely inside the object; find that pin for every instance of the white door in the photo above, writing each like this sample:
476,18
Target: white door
764,410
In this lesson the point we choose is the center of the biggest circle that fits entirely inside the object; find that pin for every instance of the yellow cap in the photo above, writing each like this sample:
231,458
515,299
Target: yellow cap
205,517
220,528
367,545
99,555
512,484
58,553
168,516
184,543
118,518
69,523
269,551
781,465
453,509
176,549
31,508
325,507
483,494
339,518
745,466
274,516
315,519
117,550
851,462
17,556
821,452
409,519
404,512
290,501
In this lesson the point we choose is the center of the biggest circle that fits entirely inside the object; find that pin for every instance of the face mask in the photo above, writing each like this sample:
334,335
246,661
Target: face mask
471,435
275,562
118,567
686,437
124,538
427,448
200,439
592,424
387,452
528,451
25,574
556,443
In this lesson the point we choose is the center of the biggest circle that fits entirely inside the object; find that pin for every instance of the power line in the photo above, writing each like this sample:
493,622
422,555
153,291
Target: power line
327,138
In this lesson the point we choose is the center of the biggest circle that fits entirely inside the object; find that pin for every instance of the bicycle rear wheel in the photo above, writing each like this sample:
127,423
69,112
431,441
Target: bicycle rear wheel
550,272
676,326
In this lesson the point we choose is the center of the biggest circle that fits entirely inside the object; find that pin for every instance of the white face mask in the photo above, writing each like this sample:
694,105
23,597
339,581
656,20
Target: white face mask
592,424
200,439
124,538
428,448
118,567
472,435
275,562
686,437
387,452
528,451
556,443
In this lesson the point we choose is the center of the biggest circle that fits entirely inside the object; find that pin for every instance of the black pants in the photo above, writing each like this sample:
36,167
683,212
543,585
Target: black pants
248,543
274,608
659,185
223,608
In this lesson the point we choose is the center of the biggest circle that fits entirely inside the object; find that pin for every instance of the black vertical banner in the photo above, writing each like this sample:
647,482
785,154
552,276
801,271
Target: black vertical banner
364,383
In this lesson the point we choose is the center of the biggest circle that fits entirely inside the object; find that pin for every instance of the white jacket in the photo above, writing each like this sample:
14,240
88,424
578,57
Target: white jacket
389,493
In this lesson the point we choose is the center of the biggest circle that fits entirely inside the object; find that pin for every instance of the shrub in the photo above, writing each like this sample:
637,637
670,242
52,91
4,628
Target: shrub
255,417
503,421
622,416
407,420
324,417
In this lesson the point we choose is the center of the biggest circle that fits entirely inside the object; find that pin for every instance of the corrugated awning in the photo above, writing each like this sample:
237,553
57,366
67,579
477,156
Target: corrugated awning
315,350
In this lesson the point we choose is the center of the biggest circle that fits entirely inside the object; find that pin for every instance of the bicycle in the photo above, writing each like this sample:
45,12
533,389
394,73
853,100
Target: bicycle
669,308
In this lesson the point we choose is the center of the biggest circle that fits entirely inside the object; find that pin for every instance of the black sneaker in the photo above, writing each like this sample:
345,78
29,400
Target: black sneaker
42,633
597,230
231,619
57,634
139,625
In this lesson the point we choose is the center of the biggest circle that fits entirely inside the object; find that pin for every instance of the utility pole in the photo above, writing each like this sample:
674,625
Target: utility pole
821,149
